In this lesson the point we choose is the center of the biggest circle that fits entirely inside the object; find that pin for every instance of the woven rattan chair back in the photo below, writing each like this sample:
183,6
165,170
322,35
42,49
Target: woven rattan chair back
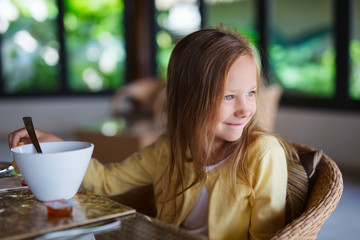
322,201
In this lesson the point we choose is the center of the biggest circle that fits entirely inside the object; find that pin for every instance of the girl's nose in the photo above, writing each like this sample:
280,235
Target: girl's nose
242,109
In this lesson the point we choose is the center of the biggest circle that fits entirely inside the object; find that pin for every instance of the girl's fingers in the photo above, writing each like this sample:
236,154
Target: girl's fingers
19,135
24,141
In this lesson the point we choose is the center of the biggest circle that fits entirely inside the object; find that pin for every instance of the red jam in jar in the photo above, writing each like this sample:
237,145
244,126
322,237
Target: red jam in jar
23,182
59,208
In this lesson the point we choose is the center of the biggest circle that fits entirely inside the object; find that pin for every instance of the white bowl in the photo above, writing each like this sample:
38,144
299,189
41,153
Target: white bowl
57,172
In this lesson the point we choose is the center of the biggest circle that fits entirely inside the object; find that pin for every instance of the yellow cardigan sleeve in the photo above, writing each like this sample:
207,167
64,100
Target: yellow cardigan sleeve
142,168
269,185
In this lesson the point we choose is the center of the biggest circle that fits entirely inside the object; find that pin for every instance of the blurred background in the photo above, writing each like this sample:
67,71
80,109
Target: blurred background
64,61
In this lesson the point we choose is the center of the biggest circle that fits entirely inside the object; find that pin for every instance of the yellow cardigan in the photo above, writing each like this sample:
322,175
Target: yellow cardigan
249,216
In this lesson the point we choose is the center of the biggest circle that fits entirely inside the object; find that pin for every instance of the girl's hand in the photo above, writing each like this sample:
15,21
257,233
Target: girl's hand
21,135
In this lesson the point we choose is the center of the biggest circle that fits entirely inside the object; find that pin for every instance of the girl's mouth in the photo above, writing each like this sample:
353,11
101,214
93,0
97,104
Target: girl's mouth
235,124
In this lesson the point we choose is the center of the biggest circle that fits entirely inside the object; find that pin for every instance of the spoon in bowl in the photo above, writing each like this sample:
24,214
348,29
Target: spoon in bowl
31,131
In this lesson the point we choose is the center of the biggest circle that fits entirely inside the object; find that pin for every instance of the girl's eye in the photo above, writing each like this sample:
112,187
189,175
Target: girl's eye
229,97
250,94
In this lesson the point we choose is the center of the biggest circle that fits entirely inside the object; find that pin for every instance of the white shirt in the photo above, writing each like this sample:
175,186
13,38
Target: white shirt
197,220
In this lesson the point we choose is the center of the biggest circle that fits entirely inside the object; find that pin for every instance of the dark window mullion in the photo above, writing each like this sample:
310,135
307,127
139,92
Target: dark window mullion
263,27
342,28
202,10
63,81
128,12
153,31
140,39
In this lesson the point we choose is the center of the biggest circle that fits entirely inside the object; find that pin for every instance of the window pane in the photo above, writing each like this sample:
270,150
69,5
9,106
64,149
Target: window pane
176,19
29,48
355,54
239,14
301,50
95,47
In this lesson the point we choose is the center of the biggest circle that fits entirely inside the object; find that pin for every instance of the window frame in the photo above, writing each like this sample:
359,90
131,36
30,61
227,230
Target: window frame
140,15
64,88
342,16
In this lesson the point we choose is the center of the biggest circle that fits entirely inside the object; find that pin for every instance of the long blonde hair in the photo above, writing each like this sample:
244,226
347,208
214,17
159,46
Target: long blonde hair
196,80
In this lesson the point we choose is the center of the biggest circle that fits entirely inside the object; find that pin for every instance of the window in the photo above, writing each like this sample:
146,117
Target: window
58,47
78,46
239,14
305,46
324,51
301,48
29,46
94,44
355,53
175,19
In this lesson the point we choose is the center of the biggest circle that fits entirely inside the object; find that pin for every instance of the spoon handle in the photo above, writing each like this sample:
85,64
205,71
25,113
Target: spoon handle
31,131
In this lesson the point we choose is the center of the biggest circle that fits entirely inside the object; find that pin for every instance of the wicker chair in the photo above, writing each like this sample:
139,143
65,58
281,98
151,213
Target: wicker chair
323,199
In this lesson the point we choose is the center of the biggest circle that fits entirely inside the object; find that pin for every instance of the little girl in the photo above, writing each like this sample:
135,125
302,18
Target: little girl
214,171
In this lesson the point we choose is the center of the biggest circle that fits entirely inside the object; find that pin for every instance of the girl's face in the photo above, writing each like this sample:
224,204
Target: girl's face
239,103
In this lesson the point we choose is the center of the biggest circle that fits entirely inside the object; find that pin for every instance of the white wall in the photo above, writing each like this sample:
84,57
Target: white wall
58,115
335,132
61,116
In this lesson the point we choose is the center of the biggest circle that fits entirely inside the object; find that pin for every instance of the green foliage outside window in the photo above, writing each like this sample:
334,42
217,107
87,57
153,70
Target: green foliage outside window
165,46
175,19
355,76
29,47
306,69
95,44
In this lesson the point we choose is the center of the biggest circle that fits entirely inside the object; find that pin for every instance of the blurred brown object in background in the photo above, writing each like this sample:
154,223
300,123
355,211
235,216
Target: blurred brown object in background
268,107
138,100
